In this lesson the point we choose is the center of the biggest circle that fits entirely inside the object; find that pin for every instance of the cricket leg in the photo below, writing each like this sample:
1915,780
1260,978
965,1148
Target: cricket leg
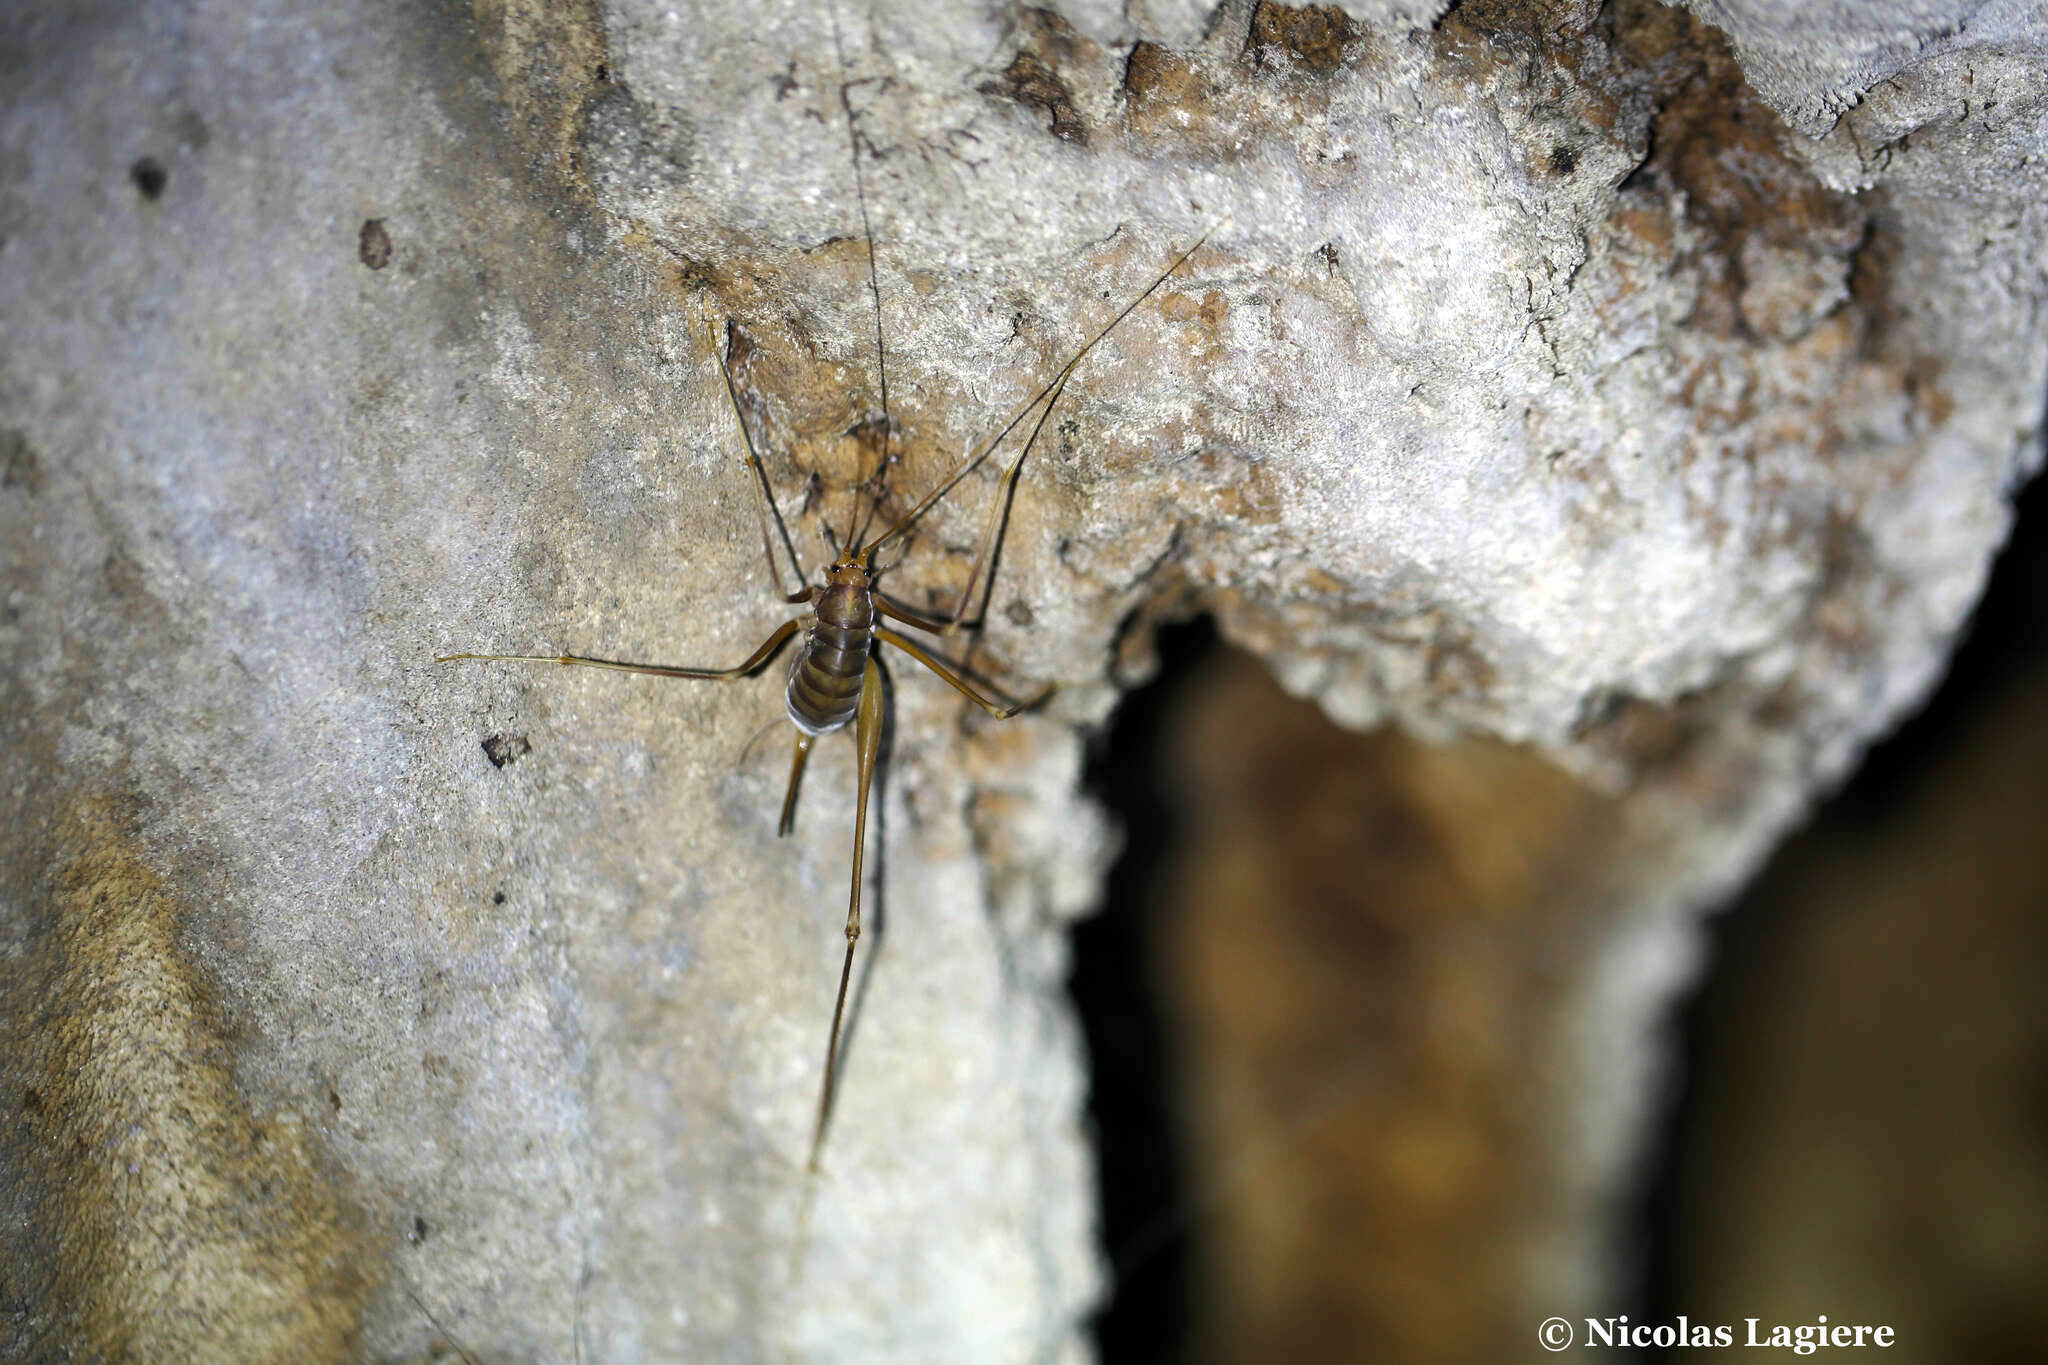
973,461
954,680
869,736
765,504
754,660
796,777
1006,492
896,611
966,615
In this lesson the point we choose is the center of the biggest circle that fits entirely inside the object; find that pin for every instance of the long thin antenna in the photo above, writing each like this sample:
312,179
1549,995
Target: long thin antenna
854,524
973,462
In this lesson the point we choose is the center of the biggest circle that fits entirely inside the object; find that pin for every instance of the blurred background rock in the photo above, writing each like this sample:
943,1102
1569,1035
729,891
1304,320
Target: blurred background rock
1322,1138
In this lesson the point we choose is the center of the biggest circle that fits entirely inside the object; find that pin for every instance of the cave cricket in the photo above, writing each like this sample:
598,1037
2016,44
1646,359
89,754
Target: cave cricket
835,681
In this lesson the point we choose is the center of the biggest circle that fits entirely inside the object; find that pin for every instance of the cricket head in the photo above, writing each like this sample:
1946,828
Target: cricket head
851,569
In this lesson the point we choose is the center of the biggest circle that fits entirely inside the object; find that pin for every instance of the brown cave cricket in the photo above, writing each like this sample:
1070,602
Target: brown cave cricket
835,681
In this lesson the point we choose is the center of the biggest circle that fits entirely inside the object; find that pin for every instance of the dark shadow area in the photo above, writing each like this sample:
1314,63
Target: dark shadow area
1906,1104
1140,1156
2007,639
1862,1128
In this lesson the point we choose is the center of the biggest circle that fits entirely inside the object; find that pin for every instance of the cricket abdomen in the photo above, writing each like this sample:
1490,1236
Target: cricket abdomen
824,686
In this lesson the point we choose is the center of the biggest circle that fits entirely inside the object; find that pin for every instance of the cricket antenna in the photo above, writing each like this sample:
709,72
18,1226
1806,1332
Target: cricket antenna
856,526
1051,388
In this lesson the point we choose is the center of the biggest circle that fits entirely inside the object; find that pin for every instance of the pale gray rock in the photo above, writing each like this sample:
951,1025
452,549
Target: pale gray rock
1813,61
342,336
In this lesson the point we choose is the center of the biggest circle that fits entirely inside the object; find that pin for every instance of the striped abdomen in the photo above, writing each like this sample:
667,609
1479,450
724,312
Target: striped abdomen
824,686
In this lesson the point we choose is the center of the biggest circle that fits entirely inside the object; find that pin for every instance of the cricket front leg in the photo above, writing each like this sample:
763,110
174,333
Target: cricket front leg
764,495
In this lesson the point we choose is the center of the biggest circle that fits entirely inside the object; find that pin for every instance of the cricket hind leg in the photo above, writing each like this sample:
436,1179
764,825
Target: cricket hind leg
868,736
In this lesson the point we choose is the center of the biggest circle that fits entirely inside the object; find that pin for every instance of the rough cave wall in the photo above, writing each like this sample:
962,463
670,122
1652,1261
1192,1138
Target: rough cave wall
1548,374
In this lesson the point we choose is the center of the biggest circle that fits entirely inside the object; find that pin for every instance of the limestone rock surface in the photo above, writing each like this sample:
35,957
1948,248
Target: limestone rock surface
1544,374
